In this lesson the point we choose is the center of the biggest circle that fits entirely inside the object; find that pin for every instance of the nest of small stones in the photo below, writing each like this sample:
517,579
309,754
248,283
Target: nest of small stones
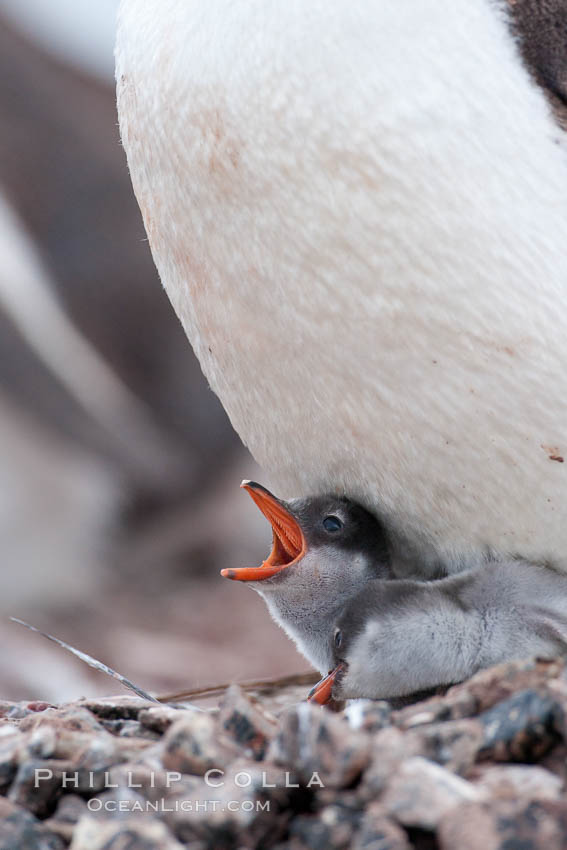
482,767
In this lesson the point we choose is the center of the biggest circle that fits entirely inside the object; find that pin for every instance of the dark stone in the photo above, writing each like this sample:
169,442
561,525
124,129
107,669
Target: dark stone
505,825
130,729
79,760
244,722
38,792
333,827
10,747
390,748
420,792
158,718
70,809
368,715
556,761
511,781
117,708
153,784
482,691
251,806
130,834
521,728
454,744
194,745
119,803
436,709
319,744
20,830
378,832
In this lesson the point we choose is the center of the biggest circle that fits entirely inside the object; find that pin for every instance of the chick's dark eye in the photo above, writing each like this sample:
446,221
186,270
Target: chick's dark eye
338,639
332,523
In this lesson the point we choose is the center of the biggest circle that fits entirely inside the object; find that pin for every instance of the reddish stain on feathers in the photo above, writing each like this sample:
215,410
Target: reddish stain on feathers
553,453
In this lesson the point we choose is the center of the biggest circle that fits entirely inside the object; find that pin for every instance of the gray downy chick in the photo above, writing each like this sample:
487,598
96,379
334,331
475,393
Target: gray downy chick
325,550
397,638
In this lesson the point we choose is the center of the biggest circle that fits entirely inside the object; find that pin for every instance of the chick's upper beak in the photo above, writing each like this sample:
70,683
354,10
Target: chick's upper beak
288,539
322,692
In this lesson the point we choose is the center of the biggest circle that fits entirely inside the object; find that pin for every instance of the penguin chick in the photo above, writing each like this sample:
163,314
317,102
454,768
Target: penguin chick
325,550
396,638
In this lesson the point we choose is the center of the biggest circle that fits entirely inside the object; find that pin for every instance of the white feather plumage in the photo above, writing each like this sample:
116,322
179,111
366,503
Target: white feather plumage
360,216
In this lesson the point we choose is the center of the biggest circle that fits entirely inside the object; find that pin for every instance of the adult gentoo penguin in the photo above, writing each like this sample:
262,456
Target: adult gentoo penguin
398,638
359,213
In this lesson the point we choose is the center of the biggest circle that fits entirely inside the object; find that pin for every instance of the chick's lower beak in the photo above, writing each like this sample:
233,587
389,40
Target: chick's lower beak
288,545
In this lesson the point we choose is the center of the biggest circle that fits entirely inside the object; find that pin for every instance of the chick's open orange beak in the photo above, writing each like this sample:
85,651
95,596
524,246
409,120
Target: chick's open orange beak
322,693
288,539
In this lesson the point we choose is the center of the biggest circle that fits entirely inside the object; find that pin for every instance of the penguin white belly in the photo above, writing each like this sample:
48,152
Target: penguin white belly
360,217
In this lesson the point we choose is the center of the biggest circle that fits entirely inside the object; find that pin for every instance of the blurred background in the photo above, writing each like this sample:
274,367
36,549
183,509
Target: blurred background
119,471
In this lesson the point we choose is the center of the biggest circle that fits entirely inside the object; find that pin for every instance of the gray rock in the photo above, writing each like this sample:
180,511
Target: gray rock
520,728
194,744
20,830
368,715
505,825
378,832
455,744
333,827
421,792
79,759
70,809
320,745
133,834
115,708
245,723
247,805
38,784
40,742
480,692
506,781
130,729
74,717
119,803
12,743
158,718
153,782
390,748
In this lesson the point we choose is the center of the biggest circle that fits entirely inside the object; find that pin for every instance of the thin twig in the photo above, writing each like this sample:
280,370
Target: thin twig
263,686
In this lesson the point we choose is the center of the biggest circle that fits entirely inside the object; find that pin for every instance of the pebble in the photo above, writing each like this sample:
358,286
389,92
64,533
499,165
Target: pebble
512,781
333,827
158,718
521,824
482,766
20,830
318,744
520,728
367,715
421,792
378,832
245,722
69,811
193,744
129,834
